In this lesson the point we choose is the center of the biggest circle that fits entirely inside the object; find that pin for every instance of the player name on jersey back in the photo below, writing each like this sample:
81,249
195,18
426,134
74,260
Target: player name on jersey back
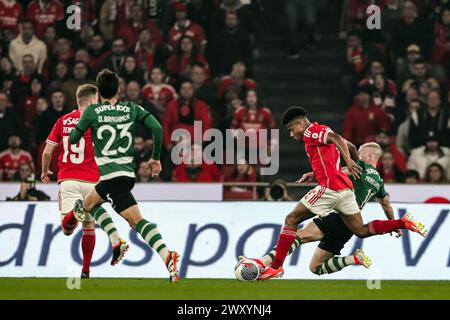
75,161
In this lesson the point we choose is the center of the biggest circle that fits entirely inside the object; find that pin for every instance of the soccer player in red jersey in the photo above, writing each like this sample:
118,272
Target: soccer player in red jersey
77,176
333,192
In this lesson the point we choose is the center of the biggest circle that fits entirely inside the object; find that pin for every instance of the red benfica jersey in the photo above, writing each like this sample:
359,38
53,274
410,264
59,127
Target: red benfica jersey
76,161
159,95
324,158
10,15
44,15
192,30
9,162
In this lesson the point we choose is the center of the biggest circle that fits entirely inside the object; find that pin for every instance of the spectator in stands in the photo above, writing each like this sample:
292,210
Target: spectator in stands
236,80
436,174
419,75
44,13
364,119
441,49
97,51
385,96
241,172
28,104
147,53
63,51
224,110
143,173
28,191
11,158
133,94
49,38
82,55
355,64
10,124
45,121
200,12
296,11
412,177
7,73
114,61
252,117
232,45
432,152
185,54
388,170
410,29
11,14
432,118
21,84
405,142
203,90
404,67
27,44
141,151
80,75
390,15
182,113
60,76
129,31
131,71
194,169
185,27
247,21
386,144
157,92
25,169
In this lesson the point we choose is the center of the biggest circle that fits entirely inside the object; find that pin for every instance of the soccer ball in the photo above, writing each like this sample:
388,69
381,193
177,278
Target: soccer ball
246,270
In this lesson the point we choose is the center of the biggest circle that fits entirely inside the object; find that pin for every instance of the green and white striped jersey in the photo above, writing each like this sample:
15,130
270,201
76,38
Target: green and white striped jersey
113,130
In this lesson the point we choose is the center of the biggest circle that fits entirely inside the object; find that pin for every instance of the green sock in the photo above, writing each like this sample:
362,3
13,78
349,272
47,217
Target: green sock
268,258
106,223
151,235
334,264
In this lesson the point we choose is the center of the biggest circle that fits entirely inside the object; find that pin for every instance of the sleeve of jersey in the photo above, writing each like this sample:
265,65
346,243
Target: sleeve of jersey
81,127
317,136
54,137
382,192
150,122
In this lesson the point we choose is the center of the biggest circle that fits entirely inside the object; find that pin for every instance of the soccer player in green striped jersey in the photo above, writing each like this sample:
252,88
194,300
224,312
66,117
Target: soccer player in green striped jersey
112,124
330,230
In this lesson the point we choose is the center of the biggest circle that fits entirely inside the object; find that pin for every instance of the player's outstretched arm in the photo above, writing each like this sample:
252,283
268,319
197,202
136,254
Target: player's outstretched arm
82,126
353,150
353,168
157,131
46,159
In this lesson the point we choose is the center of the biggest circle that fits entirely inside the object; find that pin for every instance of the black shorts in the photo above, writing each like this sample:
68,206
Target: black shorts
117,191
336,233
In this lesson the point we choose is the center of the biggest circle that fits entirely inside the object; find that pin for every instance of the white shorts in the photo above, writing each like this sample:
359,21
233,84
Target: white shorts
321,201
71,191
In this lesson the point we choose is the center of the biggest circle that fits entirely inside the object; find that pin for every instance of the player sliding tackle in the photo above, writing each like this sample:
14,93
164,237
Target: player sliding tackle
77,176
330,230
112,124
334,191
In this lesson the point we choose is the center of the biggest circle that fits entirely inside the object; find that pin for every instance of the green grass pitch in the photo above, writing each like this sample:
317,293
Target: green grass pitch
217,289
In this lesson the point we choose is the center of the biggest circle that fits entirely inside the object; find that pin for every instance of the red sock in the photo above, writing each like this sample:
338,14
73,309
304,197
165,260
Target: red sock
385,226
87,245
69,222
286,239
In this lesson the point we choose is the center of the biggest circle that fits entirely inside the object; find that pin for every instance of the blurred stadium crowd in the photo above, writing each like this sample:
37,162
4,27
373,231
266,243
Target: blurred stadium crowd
396,80
187,61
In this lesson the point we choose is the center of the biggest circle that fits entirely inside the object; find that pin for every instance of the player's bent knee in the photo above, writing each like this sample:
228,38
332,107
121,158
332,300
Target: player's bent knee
291,220
67,232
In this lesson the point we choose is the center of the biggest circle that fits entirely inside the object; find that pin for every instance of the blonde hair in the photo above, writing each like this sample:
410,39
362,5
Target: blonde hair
375,147
85,92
